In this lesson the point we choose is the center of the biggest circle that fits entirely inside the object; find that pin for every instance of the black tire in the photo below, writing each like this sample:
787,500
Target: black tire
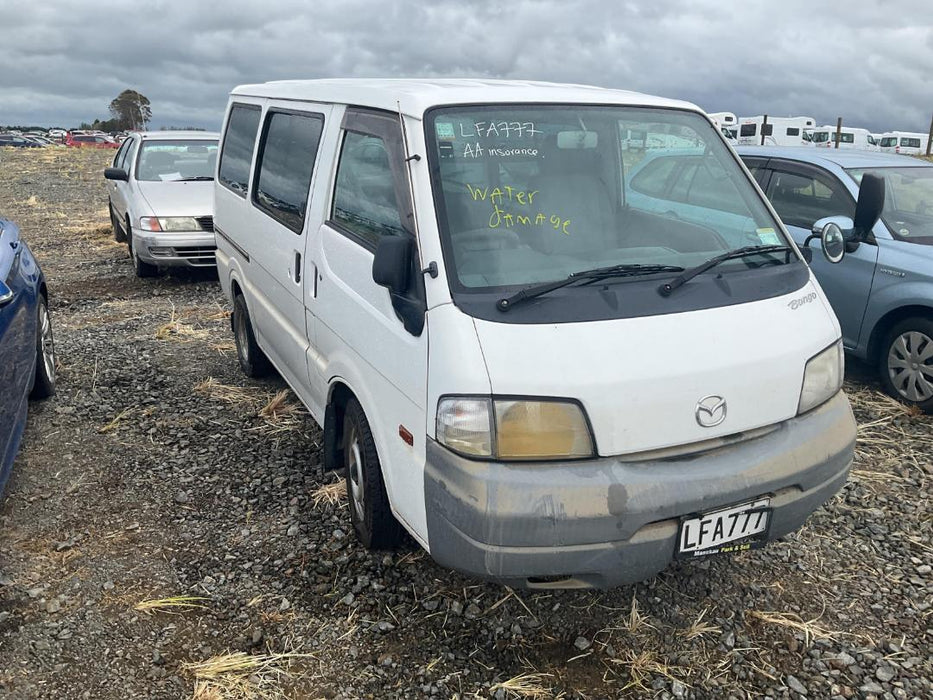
119,235
44,381
142,268
253,360
370,512
905,362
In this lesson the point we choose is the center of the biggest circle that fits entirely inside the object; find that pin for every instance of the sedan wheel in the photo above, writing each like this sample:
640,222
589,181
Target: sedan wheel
907,363
44,384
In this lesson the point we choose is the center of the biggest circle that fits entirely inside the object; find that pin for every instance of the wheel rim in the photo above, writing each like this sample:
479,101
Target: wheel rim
242,345
46,342
355,474
910,366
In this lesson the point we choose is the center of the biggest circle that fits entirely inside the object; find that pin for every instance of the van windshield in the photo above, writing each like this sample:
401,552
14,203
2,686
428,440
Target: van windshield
533,193
908,201
819,136
889,142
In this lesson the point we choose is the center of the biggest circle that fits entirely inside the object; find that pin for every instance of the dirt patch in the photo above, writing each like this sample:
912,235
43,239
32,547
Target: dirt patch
159,474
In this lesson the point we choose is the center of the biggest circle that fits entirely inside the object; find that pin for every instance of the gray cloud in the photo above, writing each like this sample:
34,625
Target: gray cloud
61,63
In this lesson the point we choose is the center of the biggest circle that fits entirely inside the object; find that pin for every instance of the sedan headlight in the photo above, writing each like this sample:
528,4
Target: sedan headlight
169,223
822,378
514,429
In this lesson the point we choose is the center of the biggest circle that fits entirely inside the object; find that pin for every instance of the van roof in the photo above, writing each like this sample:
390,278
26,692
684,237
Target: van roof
415,96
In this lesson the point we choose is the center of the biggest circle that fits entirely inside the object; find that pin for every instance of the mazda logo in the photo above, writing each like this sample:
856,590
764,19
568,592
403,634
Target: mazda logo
711,411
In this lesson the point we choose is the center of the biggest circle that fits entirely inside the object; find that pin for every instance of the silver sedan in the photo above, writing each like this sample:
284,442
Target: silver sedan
161,198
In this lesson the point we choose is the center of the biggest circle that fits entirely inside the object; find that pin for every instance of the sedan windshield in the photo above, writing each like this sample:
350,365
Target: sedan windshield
534,193
176,160
908,201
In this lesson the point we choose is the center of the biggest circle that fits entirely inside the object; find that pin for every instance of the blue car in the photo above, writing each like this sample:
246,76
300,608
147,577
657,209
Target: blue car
27,351
878,278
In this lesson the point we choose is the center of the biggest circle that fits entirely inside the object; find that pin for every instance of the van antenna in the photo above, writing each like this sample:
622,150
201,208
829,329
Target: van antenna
408,159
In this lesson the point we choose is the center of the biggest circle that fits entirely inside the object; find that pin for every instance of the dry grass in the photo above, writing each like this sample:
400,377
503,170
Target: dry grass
700,627
525,685
175,329
333,494
235,395
793,621
240,676
282,413
173,604
636,623
643,666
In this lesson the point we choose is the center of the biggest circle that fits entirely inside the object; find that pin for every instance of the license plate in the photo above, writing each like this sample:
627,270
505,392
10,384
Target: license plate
734,529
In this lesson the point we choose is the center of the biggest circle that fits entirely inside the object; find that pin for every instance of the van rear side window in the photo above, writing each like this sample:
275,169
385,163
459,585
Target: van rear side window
237,150
747,130
284,166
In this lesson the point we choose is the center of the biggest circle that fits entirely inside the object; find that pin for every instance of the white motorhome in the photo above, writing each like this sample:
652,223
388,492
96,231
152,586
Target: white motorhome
850,137
543,378
777,131
909,143
725,120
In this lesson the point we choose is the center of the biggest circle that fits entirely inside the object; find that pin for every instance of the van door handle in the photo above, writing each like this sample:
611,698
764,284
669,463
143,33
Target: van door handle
297,267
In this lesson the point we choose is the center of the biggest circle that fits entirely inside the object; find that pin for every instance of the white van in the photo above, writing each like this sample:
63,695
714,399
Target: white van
542,379
850,137
904,142
778,131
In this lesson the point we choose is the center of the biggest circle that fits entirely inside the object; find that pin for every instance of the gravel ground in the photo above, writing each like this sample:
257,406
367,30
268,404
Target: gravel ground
160,472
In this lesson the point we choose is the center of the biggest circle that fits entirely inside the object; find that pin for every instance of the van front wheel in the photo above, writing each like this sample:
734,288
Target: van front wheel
370,512
906,362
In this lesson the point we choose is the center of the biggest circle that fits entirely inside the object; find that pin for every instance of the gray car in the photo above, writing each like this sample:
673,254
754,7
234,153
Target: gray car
161,198
878,280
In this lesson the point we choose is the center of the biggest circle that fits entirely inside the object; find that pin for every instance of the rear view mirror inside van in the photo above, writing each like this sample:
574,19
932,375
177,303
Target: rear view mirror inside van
573,140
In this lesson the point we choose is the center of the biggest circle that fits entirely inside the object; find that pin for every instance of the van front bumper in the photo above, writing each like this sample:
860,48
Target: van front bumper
607,522
195,249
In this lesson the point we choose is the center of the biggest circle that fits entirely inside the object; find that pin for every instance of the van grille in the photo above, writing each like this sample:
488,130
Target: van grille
206,223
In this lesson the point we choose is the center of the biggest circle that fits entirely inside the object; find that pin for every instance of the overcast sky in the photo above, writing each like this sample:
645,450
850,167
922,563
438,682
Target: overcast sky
869,61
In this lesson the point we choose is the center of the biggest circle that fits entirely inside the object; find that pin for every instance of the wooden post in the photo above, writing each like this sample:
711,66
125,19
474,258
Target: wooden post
838,131
764,123
930,137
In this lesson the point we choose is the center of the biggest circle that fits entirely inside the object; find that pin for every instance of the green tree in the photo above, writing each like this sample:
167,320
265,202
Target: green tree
131,110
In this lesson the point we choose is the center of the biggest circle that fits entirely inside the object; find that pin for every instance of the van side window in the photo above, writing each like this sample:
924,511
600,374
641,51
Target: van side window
237,151
284,166
802,198
653,178
747,129
793,131
364,196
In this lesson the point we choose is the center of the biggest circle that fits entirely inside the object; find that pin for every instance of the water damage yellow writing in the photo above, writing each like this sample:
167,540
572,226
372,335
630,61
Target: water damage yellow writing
505,218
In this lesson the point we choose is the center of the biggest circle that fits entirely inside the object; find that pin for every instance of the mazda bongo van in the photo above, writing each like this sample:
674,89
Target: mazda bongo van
543,379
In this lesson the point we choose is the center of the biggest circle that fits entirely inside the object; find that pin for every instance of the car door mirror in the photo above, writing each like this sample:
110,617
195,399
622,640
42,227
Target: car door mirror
869,205
6,294
392,263
116,174
842,226
834,242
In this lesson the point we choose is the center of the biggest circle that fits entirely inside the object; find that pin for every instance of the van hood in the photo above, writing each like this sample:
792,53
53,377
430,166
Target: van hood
179,198
640,379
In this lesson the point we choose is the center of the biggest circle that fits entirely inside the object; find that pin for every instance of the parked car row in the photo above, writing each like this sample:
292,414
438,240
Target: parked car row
560,335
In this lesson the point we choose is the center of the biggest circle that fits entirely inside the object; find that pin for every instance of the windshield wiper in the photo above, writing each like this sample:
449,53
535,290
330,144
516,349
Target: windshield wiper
681,279
536,290
198,178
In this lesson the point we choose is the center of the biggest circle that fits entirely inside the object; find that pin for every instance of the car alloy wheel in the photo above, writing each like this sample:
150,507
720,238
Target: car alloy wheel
910,366
355,474
46,341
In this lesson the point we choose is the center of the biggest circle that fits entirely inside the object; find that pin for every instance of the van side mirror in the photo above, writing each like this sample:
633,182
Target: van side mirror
116,174
392,263
869,205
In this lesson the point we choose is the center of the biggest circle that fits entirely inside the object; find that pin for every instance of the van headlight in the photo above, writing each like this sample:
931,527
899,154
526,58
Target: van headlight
514,429
822,378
